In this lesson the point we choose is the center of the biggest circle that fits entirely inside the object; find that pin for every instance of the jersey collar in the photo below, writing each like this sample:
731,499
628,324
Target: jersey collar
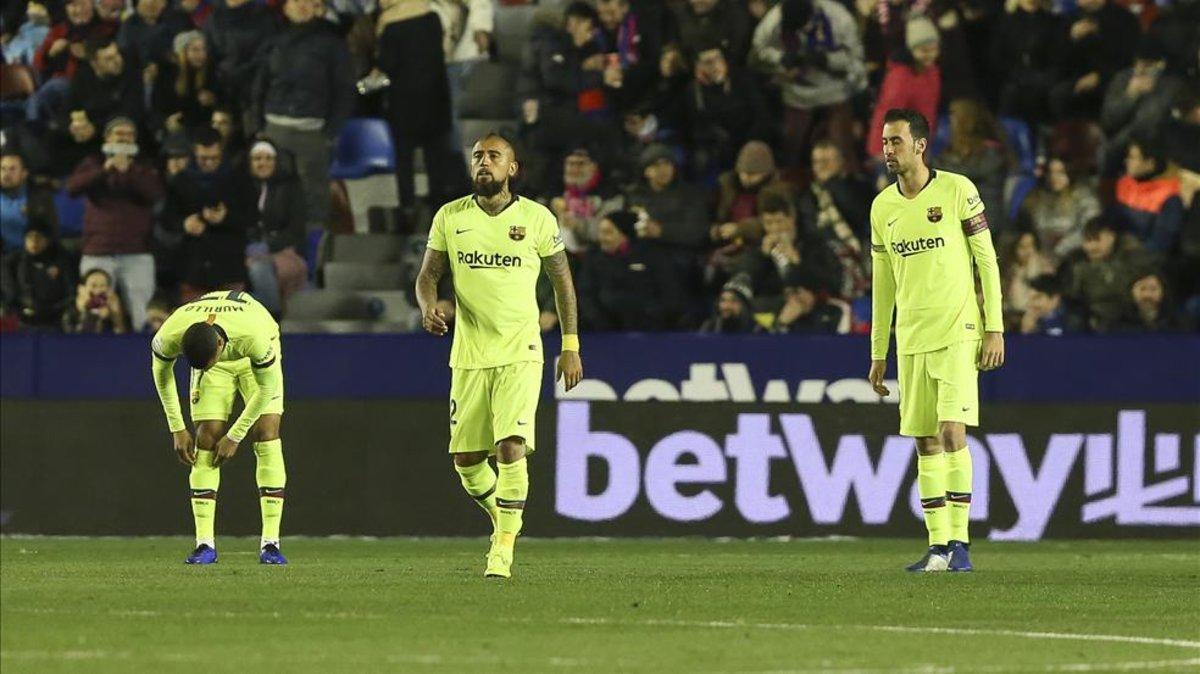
932,175
475,200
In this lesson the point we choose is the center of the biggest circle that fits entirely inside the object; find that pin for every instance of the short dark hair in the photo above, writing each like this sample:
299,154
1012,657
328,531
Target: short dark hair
512,144
582,10
92,272
205,136
1047,284
96,44
199,344
918,126
1096,225
776,203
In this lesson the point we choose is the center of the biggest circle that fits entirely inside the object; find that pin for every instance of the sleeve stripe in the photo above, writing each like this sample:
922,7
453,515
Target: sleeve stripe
975,224
262,366
877,248
161,357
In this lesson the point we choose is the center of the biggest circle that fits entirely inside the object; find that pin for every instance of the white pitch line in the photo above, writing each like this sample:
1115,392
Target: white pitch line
1137,665
725,624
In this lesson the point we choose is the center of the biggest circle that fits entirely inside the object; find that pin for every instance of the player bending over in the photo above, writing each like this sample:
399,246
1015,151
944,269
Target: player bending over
928,236
232,345
493,243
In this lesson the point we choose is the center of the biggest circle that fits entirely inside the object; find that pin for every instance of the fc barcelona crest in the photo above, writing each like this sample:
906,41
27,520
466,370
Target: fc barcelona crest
516,233
934,213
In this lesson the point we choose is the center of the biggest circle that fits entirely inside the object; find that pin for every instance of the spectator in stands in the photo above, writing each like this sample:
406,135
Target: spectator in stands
304,93
722,110
106,87
632,41
1024,262
1148,202
1057,209
467,27
811,49
913,80
1099,42
723,24
805,309
418,101
227,123
741,192
61,54
976,150
889,25
1175,29
186,91
836,210
733,313
209,203
97,307
38,279
674,212
1151,307
167,241
1137,102
236,32
29,36
1024,50
1184,268
626,283
1045,310
586,198
273,257
1100,281
784,247
157,313
147,36
118,216
21,203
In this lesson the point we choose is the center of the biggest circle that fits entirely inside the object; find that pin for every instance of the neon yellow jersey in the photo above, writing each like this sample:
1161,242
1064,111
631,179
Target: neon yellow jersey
925,251
249,329
249,332
495,262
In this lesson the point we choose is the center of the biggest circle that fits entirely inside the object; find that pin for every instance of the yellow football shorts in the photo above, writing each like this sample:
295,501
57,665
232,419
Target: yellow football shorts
490,404
940,385
213,390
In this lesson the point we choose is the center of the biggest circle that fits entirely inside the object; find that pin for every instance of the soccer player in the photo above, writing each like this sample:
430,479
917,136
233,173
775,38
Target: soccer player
493,243
929,235
232,345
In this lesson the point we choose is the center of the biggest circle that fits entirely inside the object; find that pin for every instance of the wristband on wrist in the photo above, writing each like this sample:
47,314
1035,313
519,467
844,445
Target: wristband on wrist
570,343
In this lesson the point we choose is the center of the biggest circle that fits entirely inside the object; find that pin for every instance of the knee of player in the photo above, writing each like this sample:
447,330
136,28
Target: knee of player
952,436
929,445
266,428
510,449
208,433
468,459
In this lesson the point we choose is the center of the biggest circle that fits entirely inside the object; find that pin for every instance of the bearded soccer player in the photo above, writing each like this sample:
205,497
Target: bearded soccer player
232,345
929,235
493,243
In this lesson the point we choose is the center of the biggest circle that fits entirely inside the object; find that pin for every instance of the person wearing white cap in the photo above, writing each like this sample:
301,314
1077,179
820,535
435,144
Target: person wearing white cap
914,81
276,236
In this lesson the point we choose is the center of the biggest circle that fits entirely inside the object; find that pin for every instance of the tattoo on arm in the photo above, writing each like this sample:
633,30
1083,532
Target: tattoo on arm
433,268
559,271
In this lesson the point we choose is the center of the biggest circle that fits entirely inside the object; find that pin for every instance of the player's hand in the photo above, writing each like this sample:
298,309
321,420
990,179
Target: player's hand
570,369
185,447
434,322
991,356
224,451
876,375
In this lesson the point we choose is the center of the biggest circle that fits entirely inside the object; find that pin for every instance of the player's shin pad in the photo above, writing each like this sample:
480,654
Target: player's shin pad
480,483
931,486
959,474
271,477
512,488
204,480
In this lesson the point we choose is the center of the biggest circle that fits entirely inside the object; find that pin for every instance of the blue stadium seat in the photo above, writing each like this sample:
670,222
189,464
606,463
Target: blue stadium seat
313,243
1020,139
860,309
364,147
70,214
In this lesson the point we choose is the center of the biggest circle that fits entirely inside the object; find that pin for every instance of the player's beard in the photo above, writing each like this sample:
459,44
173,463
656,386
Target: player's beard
489,188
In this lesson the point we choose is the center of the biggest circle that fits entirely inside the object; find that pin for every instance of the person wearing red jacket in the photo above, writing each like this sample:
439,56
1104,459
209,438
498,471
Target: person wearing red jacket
61,53
914,81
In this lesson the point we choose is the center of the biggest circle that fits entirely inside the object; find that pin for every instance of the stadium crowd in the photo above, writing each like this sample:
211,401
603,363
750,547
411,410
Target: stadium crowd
711,162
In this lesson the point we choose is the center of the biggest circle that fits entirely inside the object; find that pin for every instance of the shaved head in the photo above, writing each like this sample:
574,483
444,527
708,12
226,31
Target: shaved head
493,164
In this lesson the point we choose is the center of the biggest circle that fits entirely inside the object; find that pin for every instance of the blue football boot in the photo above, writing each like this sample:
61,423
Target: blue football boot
960,557
270,554
937,558
203,554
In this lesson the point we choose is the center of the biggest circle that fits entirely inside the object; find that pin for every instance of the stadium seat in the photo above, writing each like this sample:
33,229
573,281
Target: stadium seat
1020,139
363,147
70,214
357,276
314,253
389,306
513,25
488,92
367,248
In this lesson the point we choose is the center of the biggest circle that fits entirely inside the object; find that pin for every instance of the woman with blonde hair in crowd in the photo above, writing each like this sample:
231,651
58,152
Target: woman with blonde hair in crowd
186,91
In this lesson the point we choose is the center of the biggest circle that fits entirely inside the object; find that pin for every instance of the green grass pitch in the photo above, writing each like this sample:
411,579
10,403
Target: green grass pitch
406,605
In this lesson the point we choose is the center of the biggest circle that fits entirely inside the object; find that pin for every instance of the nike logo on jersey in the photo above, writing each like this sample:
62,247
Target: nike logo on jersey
461,231
892,222
520,423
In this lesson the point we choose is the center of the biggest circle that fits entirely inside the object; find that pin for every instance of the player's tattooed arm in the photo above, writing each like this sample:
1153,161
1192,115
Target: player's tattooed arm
558,270
433,268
